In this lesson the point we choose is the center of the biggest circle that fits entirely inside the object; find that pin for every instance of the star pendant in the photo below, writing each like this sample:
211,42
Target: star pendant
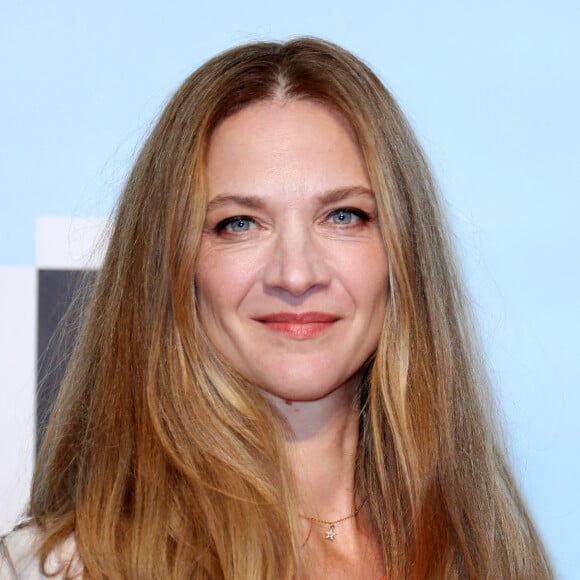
330,534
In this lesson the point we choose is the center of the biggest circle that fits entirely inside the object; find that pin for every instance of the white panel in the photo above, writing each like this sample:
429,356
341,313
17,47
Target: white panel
18,307
66,243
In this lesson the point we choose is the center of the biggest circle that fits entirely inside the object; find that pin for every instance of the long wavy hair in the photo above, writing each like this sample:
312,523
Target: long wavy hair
165,463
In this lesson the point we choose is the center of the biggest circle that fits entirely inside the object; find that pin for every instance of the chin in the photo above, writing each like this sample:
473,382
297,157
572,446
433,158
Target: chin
306,389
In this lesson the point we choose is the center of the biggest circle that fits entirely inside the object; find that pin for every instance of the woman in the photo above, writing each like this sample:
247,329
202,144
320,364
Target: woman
276,377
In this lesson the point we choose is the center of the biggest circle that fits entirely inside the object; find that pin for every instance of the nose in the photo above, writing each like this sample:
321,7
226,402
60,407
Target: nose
296,264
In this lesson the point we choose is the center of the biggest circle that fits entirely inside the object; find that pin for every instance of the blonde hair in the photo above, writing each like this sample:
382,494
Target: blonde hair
165,464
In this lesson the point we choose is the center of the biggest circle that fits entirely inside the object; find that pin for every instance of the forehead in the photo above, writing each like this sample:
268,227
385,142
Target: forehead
283,112
284,146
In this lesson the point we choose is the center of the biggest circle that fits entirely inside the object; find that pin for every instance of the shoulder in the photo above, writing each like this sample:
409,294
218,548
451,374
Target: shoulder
19,556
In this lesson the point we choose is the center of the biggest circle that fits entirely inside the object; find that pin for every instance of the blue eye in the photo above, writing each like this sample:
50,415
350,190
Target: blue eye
348,216
239,225
235,224
342,217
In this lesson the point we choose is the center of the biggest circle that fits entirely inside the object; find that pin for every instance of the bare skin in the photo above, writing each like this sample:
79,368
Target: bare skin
292,276
323,452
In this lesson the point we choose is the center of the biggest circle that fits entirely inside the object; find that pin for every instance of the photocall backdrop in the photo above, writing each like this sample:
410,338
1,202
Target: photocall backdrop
492,90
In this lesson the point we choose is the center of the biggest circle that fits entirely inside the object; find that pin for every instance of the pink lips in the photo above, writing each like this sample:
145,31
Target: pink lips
300,326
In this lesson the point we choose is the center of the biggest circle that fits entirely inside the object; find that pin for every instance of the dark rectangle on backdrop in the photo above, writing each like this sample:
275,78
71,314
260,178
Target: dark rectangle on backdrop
56,334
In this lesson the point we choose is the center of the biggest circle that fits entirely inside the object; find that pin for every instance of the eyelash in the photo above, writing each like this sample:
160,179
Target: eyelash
363,216
223,224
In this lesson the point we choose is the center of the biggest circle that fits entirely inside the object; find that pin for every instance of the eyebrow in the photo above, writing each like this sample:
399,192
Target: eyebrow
256,202
334,195
250,201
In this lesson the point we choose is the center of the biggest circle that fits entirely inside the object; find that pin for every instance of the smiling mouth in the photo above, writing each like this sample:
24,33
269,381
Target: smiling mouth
300,326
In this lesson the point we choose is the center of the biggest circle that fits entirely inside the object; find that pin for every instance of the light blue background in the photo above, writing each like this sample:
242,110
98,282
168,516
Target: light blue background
492,89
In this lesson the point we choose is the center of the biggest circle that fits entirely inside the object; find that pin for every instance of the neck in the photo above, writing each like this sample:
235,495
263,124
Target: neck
322,447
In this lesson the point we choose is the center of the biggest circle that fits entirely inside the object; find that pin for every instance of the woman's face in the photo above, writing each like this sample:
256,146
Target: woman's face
292,270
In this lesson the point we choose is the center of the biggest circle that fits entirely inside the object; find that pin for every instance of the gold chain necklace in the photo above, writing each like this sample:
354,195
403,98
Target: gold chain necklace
330,533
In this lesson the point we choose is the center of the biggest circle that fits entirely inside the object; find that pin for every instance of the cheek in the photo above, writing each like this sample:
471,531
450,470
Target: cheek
222,280
209,281
366,272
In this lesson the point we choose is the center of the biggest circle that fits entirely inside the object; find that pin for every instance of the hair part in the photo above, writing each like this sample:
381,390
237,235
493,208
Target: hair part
156,441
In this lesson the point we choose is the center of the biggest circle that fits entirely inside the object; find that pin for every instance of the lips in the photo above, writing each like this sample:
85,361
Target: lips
300,326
